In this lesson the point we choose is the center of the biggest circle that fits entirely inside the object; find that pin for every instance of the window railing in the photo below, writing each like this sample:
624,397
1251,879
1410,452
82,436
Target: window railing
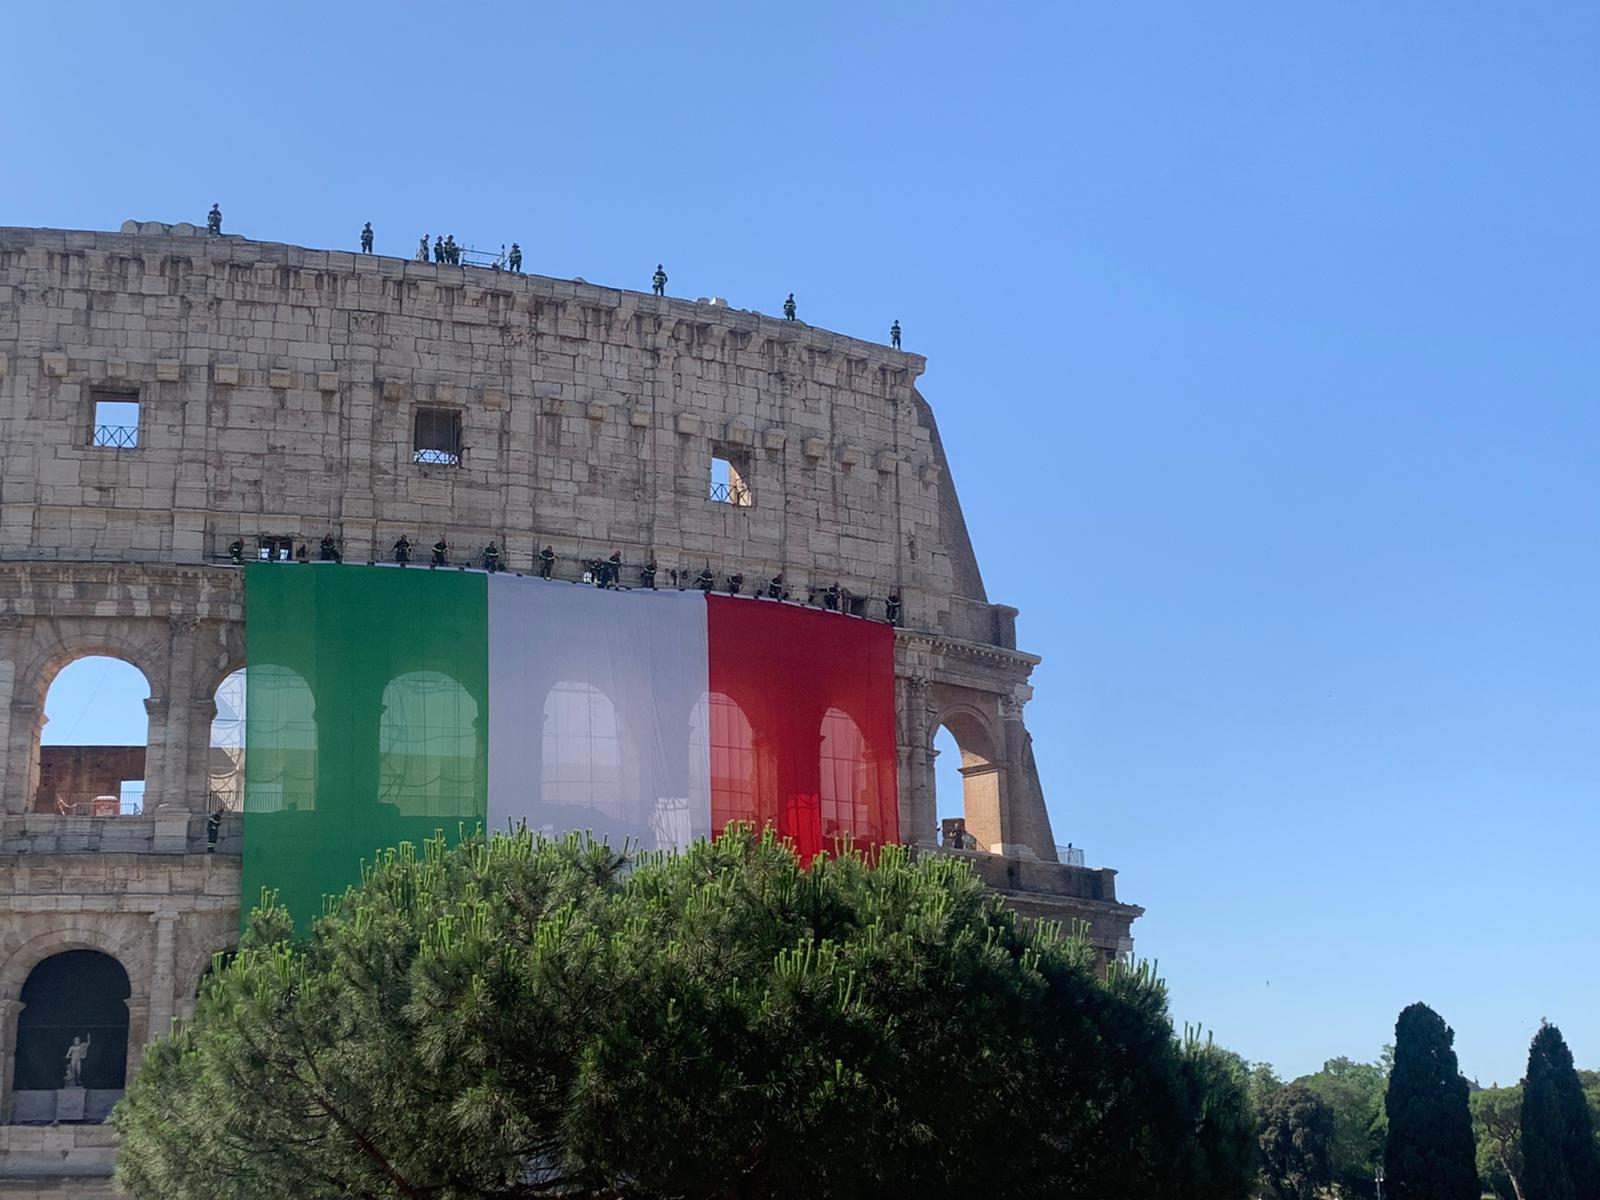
731,493
116,437
437,458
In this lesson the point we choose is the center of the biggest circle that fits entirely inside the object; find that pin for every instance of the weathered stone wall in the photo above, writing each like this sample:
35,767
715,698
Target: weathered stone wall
278,389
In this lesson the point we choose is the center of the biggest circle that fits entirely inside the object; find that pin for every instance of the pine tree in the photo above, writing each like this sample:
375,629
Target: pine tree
1429,1154
1560,1161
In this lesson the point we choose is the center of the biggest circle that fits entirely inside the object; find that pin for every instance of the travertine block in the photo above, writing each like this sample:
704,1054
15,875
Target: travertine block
774,439
280,378
813,447
327,381
687,424
168,370
55,364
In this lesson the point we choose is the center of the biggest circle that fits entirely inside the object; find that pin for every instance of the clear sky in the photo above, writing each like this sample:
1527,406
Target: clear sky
1262,340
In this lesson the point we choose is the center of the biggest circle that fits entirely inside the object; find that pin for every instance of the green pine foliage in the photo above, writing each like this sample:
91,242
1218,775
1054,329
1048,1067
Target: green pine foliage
1559,1156
521,1018
1429,1152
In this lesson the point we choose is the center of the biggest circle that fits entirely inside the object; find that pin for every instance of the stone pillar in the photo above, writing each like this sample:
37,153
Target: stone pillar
919,819
163,980
1024,824
10,1010
10,636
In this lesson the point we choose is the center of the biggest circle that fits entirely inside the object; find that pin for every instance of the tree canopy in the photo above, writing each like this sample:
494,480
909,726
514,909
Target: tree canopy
1559,1156
1429,1152
1296,1141
518,1017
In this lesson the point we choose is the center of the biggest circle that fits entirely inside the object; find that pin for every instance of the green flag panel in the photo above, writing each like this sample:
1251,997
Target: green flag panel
366,720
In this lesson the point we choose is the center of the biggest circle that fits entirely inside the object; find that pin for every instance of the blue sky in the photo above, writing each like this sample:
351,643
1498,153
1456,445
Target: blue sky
1262,341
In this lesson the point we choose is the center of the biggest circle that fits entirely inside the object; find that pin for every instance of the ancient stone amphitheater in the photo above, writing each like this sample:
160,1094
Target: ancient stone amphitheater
171,400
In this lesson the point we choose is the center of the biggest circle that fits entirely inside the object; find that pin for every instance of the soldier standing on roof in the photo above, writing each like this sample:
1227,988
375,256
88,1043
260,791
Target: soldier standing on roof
658,281
366,238
516,259
788,308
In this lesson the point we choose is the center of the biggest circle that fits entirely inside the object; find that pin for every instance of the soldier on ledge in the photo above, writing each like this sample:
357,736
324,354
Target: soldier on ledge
516,259
441,549
614,569
366,238
328,551
236,551
891,608
830,598
402,550
647,575
735,584
706,580
491,558
658,281
547,562
775,587
422,249
438,248
894,334
214,220
788,308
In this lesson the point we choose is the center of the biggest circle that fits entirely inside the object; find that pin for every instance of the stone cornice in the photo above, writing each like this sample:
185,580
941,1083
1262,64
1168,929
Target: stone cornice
529,288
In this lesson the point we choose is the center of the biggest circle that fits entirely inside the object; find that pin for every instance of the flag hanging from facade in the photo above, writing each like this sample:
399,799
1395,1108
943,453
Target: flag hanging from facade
385,703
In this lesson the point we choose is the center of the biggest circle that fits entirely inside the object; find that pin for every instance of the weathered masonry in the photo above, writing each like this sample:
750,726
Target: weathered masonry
169,400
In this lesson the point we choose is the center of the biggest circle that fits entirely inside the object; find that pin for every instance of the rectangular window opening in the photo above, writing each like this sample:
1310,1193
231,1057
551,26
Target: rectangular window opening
116,421
730,473
437,437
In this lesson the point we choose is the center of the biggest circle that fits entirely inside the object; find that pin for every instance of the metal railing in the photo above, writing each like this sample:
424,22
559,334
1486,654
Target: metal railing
1069,855
436,458
92,804
116,437
735,494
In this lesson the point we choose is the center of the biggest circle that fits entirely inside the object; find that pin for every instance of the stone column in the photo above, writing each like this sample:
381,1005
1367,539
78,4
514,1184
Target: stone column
10,635
919,821
10,1010
162,975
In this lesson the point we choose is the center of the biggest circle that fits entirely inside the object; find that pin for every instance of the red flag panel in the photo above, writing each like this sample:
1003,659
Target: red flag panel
802,723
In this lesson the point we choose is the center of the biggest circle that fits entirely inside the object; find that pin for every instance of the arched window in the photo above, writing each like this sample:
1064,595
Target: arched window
92,748
582,762
428,745
72,1033
844,776
281,724
966,784
226,764
721,726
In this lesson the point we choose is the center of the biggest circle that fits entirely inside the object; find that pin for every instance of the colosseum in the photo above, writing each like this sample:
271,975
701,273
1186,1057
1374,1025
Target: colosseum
173,402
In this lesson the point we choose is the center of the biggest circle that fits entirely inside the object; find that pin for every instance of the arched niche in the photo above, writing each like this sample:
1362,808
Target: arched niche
71,1057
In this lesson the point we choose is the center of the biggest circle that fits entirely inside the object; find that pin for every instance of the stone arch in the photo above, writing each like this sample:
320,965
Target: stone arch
64,993
982,774
225,748
85,777
430,732
127,950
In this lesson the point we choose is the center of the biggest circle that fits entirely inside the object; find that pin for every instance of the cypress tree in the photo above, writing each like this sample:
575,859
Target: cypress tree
1429,1154
1560,1161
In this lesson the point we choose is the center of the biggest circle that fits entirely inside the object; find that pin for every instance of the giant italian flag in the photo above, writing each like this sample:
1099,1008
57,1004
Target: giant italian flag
385,703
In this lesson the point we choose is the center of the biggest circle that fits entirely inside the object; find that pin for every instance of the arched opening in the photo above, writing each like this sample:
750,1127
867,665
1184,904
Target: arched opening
428,745
92,746
843,792
581,766
966,784
722,727
72,1038
226,762
280,719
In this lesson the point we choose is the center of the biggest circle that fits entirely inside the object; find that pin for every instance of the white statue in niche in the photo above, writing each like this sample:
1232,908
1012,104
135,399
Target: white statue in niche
76,1053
